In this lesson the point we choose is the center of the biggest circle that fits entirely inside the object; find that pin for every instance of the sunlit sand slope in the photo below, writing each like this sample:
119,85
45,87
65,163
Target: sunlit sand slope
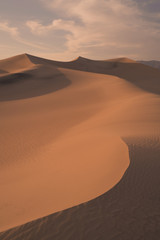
128,211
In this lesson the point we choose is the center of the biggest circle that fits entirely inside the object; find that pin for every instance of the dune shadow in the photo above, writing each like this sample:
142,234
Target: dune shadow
140,75
3,71
29,84
14,78
129,211
86,65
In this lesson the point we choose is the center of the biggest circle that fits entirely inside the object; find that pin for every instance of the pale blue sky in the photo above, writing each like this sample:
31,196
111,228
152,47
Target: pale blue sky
65,29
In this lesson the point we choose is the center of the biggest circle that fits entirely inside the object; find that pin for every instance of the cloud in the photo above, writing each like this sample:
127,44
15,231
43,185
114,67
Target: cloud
13,31
101,27
15,34
38,29
93,10
92,28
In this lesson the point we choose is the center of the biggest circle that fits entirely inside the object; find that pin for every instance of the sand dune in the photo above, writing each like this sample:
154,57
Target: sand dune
132,71
130,210
2,72
68,133
16,64
153,63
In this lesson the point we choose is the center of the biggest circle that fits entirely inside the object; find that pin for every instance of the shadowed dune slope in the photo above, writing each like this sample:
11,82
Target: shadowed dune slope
30,83
24,79
153,63
2,72
68,131
144,77
132,71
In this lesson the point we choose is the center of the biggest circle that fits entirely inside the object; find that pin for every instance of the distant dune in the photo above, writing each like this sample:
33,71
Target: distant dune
153,63
80,149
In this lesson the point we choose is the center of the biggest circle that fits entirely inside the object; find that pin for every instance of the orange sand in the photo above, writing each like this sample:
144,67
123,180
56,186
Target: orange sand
62,130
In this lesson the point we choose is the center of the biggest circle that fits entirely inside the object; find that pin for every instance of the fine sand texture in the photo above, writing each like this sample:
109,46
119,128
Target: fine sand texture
80,149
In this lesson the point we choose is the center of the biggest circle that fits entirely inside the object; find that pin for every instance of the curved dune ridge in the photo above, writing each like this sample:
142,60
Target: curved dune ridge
68,133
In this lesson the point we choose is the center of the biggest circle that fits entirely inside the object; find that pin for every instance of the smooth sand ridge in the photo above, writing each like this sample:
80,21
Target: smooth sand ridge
67,144
130,210
16,64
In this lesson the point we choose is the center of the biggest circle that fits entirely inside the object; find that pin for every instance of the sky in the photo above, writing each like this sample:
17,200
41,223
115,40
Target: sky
95,29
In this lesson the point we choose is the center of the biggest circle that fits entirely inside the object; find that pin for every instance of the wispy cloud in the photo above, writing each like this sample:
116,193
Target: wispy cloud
15,34
39,29
98,27
5,27
93,28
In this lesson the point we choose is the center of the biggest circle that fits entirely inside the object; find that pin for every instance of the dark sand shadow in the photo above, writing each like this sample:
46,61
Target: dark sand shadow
28,84
152,63
140,75
143,77
81,64
129,211
3,72
14,78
